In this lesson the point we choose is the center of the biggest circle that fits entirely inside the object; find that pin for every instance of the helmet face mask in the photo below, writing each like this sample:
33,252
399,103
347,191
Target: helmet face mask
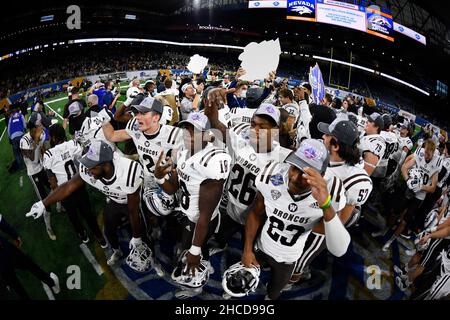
140,258
239,281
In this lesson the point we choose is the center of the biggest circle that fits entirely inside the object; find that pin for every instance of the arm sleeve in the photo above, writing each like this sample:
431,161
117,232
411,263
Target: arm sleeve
336,236
6,228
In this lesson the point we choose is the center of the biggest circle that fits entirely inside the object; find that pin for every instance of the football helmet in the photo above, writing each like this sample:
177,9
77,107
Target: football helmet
185,278
239,281
414,182
140,257
158,202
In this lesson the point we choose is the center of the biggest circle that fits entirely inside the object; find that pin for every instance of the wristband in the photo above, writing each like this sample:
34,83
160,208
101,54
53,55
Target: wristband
327,203
195,251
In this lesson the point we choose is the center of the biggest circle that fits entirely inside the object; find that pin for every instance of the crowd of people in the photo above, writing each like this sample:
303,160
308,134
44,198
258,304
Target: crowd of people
212,157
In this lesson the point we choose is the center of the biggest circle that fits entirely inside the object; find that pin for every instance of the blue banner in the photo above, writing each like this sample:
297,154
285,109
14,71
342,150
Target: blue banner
388,106
317,85
181,72
45,90
301,10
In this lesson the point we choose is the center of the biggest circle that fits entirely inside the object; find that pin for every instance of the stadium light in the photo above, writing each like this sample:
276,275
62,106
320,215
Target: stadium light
372,71
130,16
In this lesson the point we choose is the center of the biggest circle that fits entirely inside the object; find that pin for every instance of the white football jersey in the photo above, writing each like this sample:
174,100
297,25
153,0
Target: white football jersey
441,286
402,142
240,115
289,221
392,144
149,148
247,164
428,169
127,178
224,116
209,163
27,143
293,109
446,165
373,143
90,130
61,160
357,183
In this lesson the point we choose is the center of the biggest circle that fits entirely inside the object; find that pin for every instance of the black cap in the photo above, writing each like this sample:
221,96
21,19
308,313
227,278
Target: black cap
99,152
387,121
343,130
377,119
147,105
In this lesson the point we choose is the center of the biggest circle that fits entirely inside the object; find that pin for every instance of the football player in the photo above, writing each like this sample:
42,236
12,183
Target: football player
150,137
252,147
89,128
292,198
120,179
60,163
392,144
433,240
200,174
31,145
399,155
429,163
372,145
341,139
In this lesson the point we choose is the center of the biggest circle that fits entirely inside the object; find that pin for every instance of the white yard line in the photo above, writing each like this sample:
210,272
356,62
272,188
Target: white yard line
56,113
88,254
3,133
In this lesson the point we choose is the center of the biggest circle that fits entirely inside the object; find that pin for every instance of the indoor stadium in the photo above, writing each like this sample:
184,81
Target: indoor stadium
225,150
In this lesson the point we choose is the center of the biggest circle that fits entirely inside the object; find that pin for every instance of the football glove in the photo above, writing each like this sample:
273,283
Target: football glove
37,210
134,242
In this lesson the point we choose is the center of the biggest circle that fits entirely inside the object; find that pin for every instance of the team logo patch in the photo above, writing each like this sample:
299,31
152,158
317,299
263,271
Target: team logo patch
310,153
195,117
270,109
252,157
93,181
147,144
277,179
136,126
105,188
293,207
138,135
183,165
275,194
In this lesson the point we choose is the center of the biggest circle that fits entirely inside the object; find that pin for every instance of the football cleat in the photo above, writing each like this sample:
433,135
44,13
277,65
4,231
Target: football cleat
115,257
56,289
